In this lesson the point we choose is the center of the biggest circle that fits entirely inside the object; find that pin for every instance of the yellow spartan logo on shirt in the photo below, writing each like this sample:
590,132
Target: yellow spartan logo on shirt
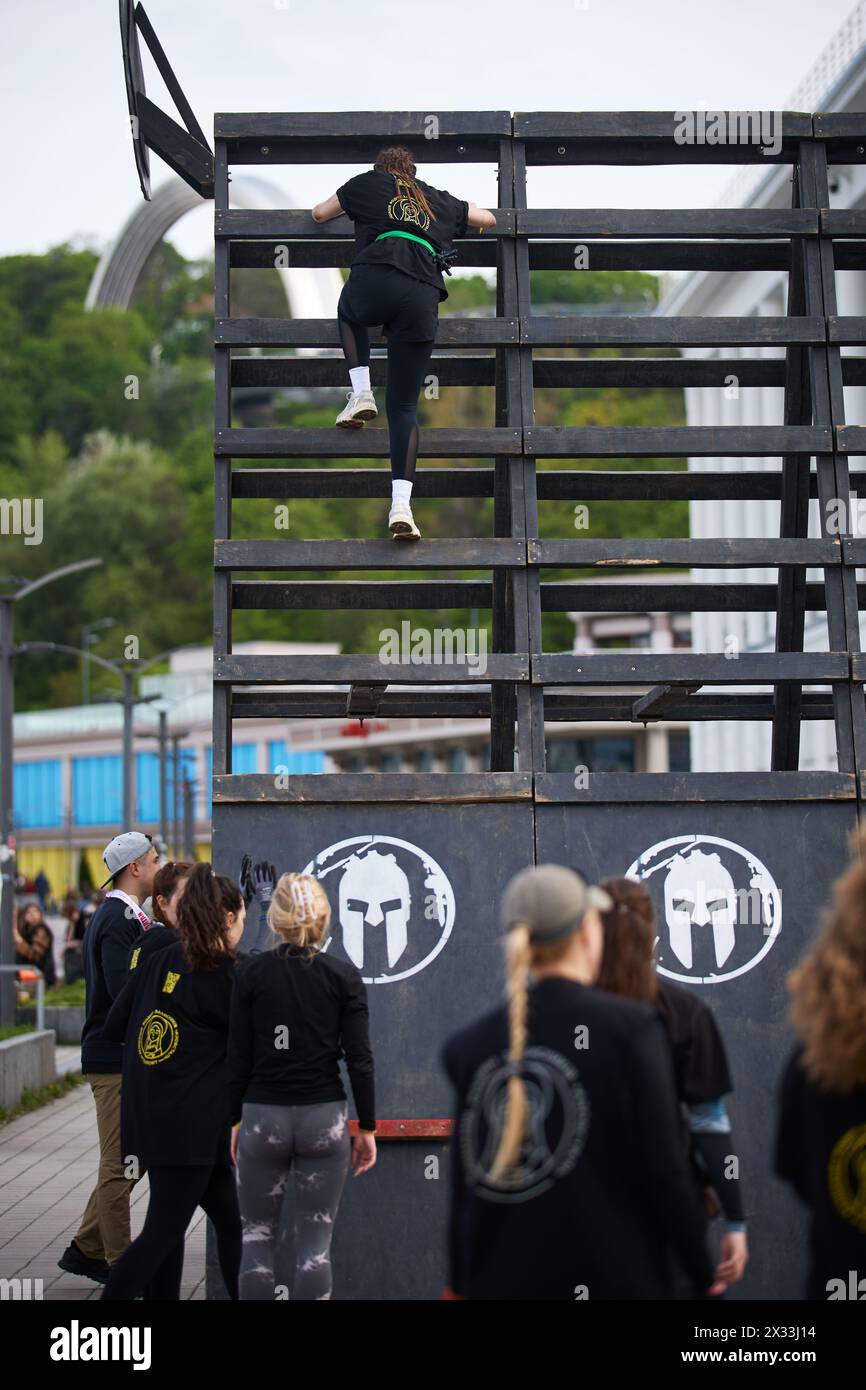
157,1038
134,959
846,1174
405,207
171,980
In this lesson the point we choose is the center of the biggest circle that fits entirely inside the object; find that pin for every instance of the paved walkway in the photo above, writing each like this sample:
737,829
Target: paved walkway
48,1163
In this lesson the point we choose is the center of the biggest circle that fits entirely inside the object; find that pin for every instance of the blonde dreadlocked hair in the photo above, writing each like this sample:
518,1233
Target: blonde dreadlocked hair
397,160
300,912
522,956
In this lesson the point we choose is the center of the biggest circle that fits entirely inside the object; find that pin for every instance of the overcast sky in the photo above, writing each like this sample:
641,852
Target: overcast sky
68,169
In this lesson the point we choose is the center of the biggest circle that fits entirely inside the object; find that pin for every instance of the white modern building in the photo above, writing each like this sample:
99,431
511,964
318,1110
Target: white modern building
837,82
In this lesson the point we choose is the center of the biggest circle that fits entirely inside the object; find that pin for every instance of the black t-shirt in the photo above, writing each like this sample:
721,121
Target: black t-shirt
293,1019
605,1196
700,1061
174,1106
820,1148
379,202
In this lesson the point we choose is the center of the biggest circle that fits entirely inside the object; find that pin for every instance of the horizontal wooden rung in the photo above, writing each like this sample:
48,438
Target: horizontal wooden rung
686,668
678,222
455,658
704,553
342,787
447,553
651,330
685,441
363,443
328,595
632,788
485,331
360,482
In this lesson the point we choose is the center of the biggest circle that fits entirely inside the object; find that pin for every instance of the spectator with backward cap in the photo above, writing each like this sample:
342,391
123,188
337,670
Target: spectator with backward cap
131,860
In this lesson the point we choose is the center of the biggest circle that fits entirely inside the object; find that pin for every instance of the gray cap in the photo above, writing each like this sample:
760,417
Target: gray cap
123,850
551,900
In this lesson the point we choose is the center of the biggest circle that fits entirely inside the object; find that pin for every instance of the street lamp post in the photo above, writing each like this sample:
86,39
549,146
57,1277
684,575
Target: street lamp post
88,636
7,755
163,776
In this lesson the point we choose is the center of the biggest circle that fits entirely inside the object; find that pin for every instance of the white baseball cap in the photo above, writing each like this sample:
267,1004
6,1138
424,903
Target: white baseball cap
551,900
124,850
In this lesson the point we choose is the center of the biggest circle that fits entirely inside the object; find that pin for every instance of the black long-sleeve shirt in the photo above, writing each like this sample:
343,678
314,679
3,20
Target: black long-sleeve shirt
607,1196
173,1022
107,943
293,1018
820,1142
702,1077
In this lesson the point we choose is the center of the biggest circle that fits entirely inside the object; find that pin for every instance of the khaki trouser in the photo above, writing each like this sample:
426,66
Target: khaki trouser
104,1230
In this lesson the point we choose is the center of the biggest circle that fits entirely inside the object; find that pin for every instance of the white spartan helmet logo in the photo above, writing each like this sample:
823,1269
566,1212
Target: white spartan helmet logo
699,892
374,890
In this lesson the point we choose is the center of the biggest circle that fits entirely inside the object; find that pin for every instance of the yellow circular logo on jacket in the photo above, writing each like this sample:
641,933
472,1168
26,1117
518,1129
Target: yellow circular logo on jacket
847,1177
157,1038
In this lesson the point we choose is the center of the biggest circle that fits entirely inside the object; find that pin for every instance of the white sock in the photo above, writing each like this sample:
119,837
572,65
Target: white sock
360,378
401,490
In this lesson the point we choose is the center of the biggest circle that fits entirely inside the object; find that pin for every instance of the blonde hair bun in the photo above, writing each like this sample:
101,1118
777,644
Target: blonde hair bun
300,912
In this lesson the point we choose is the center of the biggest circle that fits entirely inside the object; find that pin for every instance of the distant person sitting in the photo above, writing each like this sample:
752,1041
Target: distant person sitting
103,1235
34,942
77,921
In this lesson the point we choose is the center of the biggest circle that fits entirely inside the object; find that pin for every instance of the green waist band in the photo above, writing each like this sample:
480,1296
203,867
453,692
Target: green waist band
411,236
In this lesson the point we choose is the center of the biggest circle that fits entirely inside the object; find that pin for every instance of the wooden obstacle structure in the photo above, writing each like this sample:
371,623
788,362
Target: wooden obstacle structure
739,863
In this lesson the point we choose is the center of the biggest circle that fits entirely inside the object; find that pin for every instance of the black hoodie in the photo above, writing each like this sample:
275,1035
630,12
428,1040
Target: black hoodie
605,1194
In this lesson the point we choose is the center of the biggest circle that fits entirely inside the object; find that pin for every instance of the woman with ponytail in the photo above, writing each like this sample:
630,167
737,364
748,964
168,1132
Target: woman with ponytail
296,1010
173,1013
701,1073
568,1177
168,888
404,228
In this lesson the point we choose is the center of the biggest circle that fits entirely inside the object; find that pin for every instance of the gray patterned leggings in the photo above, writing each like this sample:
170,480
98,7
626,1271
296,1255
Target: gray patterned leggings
309,1143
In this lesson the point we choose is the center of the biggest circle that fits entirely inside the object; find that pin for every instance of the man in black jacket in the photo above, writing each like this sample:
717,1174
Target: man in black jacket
103,1235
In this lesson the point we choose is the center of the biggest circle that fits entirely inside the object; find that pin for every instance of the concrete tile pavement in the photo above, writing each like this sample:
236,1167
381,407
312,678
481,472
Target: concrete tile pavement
48,1163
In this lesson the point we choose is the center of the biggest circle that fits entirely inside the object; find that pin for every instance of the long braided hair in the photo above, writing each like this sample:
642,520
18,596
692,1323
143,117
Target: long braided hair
522,956
397,160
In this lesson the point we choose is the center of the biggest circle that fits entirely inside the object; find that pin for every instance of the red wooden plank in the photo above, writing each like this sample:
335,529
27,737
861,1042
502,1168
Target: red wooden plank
409,1129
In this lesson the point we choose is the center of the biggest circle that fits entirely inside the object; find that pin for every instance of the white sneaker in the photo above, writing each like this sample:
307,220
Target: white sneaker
401,522
360,406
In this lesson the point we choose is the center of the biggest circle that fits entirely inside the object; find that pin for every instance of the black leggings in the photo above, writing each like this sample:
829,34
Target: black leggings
407,363
153,1264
